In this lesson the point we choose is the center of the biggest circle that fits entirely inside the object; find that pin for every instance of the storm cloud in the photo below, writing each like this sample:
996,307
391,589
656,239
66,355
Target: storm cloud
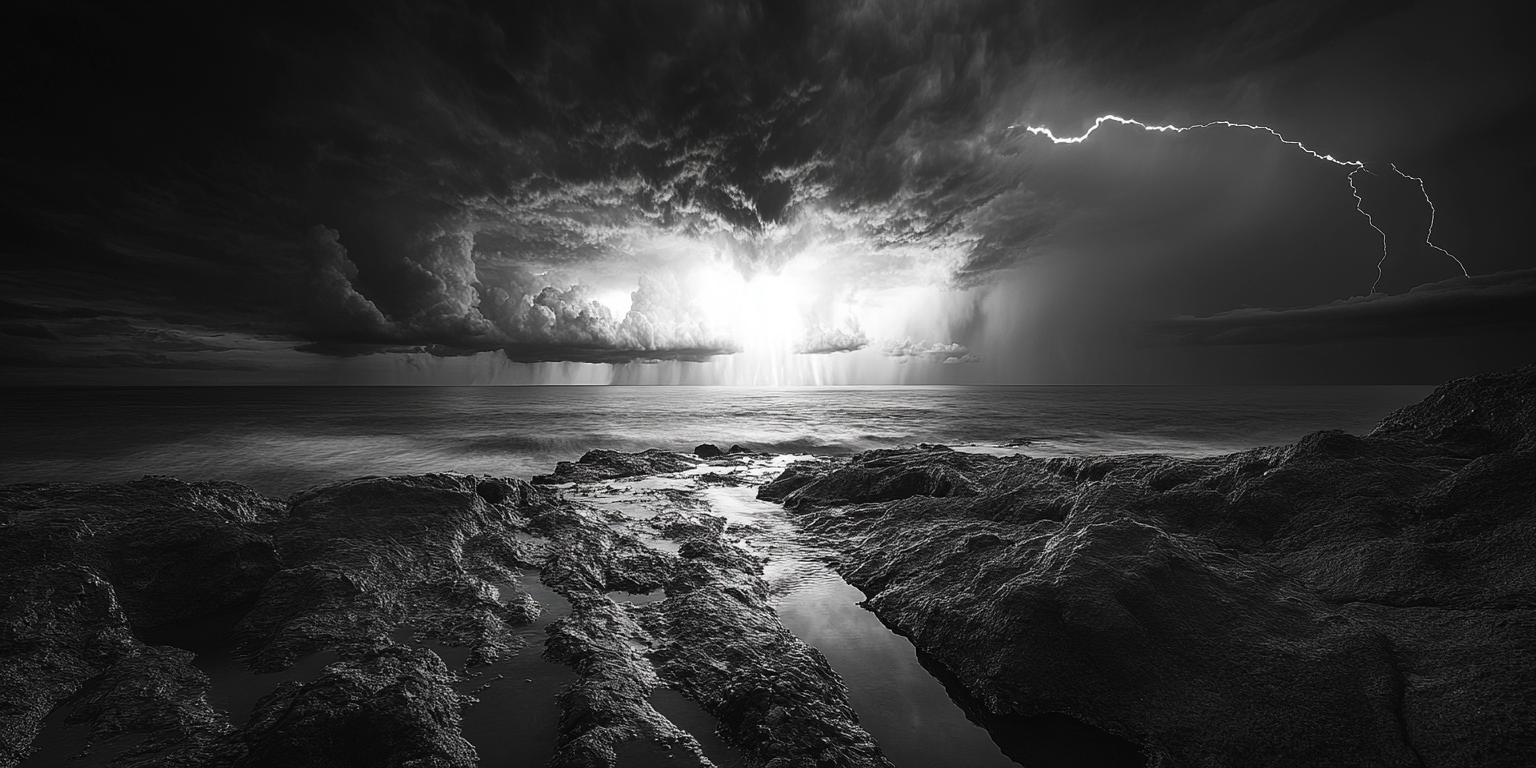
551,179
1459,306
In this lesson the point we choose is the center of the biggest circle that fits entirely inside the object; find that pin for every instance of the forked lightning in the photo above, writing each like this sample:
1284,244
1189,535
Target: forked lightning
1356,165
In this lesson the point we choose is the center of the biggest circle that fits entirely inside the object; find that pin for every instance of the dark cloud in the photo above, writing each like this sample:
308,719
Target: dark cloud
458,175
23,359
506,307
1461,306
30,331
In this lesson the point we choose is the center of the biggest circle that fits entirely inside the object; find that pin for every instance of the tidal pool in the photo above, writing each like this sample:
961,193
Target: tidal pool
909,713
517,718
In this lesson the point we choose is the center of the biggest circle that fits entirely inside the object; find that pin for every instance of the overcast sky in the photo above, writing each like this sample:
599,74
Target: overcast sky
775,192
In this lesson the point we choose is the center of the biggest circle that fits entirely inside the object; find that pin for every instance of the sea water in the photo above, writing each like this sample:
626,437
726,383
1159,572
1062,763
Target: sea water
283,439
280,440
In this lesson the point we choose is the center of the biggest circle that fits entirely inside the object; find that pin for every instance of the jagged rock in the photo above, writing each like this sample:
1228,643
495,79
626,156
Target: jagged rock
609,705
171,550
60,626
79,569
393,708
715,639
81,564
884,475
1343,601
368,556
156,691
708,451
610,465
722,645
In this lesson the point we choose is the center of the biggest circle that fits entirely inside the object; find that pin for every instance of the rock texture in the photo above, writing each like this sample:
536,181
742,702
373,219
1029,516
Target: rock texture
1349,601
1361,601
601,464
366,557
393,708
378,572
714,638
81,564
342,568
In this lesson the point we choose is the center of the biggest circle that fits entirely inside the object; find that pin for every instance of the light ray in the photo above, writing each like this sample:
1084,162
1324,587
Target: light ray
1356,165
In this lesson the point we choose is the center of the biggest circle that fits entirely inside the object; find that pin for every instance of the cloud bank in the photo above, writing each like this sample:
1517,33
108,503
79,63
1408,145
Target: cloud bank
1461,306
551,179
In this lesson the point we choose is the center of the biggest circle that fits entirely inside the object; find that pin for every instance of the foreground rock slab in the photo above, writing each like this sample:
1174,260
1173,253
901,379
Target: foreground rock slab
388,577
1364,601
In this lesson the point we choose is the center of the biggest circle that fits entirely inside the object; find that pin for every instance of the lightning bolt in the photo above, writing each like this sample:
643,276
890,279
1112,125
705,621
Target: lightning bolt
1355,166
1431,232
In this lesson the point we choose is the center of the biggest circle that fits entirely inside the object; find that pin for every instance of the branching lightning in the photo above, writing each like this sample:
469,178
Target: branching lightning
1431,231
1356,166
1360,206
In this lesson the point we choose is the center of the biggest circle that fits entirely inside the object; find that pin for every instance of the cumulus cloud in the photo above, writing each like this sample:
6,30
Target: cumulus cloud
820,340
470,154
455,303
333,305
1459,306
938,352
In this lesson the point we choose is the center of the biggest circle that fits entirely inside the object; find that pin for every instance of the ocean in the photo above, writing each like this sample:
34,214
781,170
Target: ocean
283,439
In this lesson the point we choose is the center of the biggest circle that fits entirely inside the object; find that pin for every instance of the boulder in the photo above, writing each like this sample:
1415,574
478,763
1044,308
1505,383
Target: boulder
393,708
1343,601
602,464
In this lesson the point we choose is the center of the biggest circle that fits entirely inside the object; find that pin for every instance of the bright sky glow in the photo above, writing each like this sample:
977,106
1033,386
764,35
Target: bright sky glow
761,313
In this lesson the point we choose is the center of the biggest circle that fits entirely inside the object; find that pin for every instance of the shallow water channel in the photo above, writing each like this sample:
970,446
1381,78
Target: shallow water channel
908,712
517,719
901,702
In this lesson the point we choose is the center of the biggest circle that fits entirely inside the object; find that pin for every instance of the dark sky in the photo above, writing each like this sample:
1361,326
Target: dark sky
474,192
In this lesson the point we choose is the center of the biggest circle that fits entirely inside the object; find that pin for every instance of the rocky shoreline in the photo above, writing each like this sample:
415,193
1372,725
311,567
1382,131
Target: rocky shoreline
1343,601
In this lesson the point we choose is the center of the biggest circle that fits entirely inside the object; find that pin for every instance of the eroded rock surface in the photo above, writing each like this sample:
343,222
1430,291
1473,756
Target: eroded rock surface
341,569
1347,600
609,465
383,575
81,564
714,638
1344,601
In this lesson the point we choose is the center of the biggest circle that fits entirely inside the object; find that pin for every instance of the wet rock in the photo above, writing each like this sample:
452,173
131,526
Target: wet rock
708,451
609,707
796,476
601,464
340,568
393,708
722,480
715,639
720,643
873,476
60,627
737,450
156,691
1343,601
81,564
171,550
368,556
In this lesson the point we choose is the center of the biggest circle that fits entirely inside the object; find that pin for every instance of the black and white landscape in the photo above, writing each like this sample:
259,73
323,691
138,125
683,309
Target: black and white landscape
915,383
